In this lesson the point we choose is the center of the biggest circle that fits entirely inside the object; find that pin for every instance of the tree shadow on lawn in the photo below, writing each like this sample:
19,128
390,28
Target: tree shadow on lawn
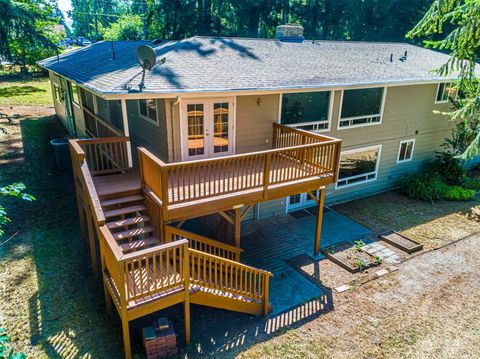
15,91
66,315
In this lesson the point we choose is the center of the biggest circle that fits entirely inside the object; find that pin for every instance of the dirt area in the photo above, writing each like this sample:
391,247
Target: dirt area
431,224
427,309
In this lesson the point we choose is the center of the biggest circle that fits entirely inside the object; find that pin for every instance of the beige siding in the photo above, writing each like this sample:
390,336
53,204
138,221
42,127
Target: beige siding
408,114
254,123
147,134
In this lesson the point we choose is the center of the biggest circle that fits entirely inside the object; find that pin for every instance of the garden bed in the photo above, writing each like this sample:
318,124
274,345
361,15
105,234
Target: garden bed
401,241
350,257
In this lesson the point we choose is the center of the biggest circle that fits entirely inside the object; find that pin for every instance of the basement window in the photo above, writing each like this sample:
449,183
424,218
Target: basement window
306,110
405,151
361,107
358,166
148,110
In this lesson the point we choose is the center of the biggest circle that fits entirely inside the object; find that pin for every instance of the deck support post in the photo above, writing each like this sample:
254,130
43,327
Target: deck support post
318,228
238,223
186,314
91,239
126,338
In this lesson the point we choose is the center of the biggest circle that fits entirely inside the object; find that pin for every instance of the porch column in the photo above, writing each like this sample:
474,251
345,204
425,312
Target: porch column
126,131
238,223
318,228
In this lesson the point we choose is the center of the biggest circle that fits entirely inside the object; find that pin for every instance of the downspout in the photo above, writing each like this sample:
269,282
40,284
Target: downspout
126,131
175,103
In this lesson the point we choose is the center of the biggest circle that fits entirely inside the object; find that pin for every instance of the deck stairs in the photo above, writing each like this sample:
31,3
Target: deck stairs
217,278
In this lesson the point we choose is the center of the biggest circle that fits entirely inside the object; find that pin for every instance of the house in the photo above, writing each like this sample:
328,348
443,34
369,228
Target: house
230,129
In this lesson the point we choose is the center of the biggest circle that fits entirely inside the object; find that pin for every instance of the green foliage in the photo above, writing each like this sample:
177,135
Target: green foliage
359,245
5,351
322,19
457,193
128,27
454,26
27,31
445,178
13,190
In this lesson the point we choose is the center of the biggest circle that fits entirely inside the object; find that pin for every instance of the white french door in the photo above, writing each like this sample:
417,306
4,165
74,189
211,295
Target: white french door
207,128
301,200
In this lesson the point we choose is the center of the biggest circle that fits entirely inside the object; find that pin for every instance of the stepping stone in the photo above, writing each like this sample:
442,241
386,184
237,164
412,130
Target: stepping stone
343,288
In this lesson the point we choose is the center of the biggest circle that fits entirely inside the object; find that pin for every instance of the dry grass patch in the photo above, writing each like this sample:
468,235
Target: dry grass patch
432,224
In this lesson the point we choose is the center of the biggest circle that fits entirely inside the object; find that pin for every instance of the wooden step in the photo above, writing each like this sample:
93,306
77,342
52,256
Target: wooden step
121,200
132,233
139,244
124,210
128,222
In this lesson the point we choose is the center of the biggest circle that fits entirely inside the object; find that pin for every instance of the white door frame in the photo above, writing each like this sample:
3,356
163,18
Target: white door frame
208,125
305,202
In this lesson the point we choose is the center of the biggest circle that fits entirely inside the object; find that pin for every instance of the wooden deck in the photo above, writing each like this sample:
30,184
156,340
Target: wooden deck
146,263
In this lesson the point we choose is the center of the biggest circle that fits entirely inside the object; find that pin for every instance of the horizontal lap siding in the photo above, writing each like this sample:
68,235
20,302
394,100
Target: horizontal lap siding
254,128
408,114
144,133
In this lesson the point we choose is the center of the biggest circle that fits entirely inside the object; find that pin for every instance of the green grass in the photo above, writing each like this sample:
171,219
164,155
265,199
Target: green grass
50,301
19,92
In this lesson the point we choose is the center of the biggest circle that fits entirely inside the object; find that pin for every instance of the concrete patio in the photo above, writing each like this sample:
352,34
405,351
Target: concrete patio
270,243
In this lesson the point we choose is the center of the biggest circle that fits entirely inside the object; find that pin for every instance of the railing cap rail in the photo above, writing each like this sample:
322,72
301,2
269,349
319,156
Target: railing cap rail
238,264
197,237
89,141
158,248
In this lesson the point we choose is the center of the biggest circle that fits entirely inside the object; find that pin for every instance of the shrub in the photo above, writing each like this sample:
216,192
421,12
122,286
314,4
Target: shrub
457,193
471,183
424,186
449,168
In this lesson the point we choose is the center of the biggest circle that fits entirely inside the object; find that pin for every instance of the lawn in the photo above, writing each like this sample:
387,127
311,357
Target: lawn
51,303
22,92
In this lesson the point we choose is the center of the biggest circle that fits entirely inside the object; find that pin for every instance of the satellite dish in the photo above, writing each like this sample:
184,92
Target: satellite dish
146,56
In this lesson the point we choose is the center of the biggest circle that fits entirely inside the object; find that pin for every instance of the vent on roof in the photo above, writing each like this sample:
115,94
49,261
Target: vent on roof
289,33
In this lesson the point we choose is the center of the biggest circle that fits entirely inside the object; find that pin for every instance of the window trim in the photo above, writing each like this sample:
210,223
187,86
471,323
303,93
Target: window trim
56,94
448,96
377,167
400,147
329,117
71,84
382,107
146,118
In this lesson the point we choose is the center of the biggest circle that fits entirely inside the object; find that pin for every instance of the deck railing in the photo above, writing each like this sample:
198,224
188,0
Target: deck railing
203,244
97,127
142,274
216,273
296,155
105,155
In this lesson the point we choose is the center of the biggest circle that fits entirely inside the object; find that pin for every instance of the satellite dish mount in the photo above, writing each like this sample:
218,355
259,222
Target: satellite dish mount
147,58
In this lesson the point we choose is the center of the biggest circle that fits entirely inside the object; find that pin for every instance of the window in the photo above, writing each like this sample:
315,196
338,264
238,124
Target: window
57,93
148,110
306,110
405,151
361,107
358,166
74,91
87,100
445,91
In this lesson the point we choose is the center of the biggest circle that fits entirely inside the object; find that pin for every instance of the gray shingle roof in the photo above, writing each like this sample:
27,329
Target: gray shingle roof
233,64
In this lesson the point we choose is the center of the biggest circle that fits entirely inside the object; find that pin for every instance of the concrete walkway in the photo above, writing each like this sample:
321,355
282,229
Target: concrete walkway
269,243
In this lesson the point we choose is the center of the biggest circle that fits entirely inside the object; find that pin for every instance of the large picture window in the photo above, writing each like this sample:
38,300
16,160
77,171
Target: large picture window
148,110
358,166
361,107
306,110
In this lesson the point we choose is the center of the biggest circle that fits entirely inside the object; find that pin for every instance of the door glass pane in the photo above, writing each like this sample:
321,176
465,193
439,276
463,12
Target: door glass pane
220,127
295,199
196,139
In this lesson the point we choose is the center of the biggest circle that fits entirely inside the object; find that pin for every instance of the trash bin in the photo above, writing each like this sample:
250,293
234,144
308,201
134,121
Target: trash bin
62,153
